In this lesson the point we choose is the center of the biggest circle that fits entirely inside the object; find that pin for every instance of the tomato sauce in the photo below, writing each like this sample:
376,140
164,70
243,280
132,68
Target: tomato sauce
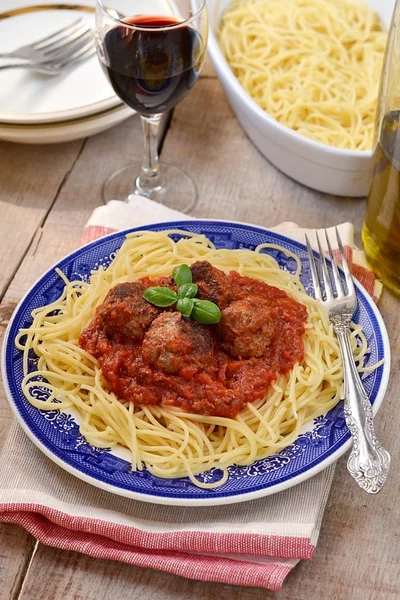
225,383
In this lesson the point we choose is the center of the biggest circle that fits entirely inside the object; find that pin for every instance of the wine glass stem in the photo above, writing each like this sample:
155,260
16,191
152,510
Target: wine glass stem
149,179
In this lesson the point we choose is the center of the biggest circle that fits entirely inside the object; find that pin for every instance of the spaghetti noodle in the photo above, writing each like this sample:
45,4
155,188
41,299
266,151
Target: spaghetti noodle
314,65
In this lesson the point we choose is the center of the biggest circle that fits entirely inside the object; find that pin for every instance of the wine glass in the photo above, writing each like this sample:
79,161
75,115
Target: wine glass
152,52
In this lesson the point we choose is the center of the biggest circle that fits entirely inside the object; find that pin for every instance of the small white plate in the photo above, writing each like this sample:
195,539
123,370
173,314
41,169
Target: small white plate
28,97
53,133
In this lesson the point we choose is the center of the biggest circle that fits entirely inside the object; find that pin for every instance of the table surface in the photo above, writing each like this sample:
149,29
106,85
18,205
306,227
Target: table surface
47,193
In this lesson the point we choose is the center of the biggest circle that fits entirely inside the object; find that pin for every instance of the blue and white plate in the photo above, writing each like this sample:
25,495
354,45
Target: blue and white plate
57,434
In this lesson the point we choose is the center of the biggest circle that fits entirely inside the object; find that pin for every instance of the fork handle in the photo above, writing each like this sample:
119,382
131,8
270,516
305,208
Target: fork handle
368,462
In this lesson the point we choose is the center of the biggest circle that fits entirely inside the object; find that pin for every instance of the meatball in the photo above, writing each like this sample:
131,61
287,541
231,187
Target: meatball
213,283
246,328
125,314
172,343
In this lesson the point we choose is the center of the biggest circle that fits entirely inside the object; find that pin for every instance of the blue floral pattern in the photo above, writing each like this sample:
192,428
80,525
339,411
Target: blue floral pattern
58,431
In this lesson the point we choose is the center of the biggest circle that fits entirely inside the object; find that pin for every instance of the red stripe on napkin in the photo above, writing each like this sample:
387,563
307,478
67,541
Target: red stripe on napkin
365,276
56,521
193,566
93,232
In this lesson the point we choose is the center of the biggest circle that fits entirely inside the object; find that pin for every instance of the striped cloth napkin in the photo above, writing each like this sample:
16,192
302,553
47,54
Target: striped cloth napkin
253,543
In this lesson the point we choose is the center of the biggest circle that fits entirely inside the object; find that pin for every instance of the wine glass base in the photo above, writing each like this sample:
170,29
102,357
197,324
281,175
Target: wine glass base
178,190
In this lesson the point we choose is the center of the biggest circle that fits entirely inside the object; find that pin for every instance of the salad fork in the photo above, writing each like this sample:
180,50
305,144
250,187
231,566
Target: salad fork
368,462
51,54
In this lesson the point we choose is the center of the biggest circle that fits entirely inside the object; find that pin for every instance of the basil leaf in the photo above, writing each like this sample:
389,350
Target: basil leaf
187,290
182,274
160,296
206,312
185,306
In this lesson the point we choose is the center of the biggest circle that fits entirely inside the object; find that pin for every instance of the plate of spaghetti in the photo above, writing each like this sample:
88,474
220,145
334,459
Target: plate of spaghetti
186,363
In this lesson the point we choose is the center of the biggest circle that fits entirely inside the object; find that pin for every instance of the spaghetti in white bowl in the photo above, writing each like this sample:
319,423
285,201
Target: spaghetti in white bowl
111,468
340,171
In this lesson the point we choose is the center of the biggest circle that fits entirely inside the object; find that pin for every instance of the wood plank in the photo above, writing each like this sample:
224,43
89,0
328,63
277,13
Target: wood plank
16,548
34,176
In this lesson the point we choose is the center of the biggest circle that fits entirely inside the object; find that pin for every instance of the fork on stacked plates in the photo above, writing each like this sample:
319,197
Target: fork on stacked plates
52,88
54,53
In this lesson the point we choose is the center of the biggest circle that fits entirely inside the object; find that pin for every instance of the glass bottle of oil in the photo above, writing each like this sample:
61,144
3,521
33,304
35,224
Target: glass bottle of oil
381,229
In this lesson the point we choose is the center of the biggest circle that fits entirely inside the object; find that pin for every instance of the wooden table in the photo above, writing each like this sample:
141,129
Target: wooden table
47,194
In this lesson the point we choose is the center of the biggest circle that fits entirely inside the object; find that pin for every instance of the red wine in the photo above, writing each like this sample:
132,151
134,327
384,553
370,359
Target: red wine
151,70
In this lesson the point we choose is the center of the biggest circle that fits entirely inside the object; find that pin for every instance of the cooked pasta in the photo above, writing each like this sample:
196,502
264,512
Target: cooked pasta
166,440
314,65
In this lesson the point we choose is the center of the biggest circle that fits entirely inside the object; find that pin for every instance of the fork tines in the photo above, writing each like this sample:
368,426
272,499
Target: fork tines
331,291
62,35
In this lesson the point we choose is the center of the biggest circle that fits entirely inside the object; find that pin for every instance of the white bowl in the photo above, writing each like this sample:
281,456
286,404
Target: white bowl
319,166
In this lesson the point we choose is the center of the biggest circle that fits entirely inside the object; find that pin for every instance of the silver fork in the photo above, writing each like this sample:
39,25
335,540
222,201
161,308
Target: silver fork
51,54
368,462
47,48
56,67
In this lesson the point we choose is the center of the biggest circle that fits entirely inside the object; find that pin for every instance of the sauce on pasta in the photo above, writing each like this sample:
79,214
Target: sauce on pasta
153,356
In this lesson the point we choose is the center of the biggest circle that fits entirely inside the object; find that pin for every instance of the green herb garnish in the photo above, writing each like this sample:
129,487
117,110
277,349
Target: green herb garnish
160,296
187,290
205,312
202,311
182,274
185,306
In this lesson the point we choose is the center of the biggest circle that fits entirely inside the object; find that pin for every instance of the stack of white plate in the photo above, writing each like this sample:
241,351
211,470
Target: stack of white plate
40,109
